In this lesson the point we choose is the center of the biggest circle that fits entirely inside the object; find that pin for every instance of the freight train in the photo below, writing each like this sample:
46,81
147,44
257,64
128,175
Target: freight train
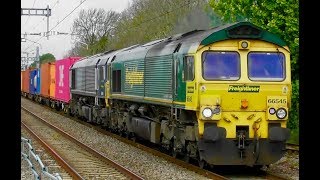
49,84
219,96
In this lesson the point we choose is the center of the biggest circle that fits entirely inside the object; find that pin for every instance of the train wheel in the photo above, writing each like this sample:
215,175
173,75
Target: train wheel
66,109
202,164
257,167
134,138
186,158
47,102
71,113
127,135
171,149
76,112
174,153
57,107
130,135
52,105
39,100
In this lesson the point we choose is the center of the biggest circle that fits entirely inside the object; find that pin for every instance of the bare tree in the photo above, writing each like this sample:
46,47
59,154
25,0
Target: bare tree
147,20
142,21
74,51
94,24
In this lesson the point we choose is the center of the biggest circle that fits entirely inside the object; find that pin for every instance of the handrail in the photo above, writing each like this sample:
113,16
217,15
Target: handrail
27,152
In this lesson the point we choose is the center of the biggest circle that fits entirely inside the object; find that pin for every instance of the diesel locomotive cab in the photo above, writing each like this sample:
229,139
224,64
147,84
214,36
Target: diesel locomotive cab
244,96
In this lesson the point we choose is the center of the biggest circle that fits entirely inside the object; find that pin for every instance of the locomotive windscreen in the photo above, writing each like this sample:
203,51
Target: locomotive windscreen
221,65
266,66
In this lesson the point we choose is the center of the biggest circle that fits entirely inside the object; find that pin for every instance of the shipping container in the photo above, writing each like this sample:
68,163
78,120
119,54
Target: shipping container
52,80
35,81
25,80
62,91
21,79
45,79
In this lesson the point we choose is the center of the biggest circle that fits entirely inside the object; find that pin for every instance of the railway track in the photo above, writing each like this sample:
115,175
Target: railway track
292,147
79,160
192,167
171,159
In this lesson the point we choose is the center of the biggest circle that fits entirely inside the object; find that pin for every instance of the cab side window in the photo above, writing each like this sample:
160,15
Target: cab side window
73,78
101,73
116,81
188,68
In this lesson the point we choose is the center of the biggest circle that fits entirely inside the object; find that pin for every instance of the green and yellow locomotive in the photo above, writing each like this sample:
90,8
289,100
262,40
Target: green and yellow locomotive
220,96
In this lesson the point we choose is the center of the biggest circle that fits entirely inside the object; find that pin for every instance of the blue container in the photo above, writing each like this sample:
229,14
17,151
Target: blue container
35,81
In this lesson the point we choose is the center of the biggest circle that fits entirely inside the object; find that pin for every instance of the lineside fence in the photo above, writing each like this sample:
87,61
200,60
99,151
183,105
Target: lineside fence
28,153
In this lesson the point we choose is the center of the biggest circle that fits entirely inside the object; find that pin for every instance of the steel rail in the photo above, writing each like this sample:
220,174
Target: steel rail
73,173
169,158
292,147
115,165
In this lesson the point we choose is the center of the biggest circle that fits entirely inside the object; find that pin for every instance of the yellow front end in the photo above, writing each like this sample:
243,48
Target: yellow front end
241,117
241,109
231,95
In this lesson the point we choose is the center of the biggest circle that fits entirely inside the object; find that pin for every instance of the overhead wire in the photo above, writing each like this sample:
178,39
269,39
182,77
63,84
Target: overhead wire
29,16
55,4
136,26
44,17
68,14
81,2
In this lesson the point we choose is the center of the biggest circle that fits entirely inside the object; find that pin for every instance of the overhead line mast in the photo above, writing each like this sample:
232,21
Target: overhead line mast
38,12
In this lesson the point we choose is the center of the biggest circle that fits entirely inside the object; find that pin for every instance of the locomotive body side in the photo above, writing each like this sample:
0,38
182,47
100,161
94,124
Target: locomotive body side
88,77
174,96
84,87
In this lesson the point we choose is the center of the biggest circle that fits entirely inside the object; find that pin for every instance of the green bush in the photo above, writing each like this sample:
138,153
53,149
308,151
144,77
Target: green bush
294,136
294,111
293,123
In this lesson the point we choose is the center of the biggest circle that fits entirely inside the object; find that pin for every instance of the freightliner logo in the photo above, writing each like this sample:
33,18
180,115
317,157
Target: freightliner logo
242,88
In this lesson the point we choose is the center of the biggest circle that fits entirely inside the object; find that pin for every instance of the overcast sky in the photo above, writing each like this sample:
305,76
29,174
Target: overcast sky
58,45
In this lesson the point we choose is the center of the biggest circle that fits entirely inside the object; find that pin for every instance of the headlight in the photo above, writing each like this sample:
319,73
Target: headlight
281,113
244,44
272,111
207,112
